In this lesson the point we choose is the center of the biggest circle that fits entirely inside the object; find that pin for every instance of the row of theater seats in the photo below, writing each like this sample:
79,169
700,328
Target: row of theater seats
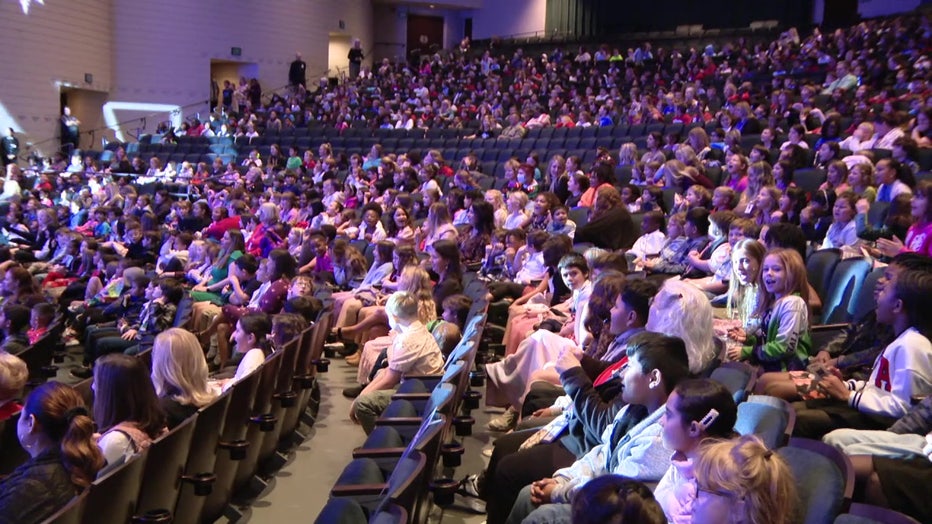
390,478
414,447
824,475
219,456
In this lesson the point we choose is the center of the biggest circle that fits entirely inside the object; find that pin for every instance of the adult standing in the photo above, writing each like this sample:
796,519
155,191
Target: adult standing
9,148
70,131
355,59
297,71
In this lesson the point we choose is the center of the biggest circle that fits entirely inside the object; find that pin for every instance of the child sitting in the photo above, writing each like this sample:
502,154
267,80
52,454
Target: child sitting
698,409
902,372
14,319
652,241
560,223
412,351
40,318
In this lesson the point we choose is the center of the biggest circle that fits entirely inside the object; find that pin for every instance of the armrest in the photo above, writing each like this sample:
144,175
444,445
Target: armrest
411,396
422,377
399,421
358,490
376,453
829,327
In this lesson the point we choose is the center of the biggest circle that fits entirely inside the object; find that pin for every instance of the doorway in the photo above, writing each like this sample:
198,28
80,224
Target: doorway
338,56
86,105
425,36
840,13
229,71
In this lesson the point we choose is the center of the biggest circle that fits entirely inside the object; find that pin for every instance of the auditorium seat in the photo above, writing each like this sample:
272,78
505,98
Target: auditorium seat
113,497
770,418
232,447
867,514
845,285
72,513
819,269
202,457
824,479
738,377
161,478
260,422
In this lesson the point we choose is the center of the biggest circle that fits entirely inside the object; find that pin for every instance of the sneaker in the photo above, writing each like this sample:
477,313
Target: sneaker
470,504
505,421
469,486
335,346
71,341
467,495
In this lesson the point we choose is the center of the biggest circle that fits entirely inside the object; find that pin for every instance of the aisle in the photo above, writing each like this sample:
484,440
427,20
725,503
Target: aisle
301,488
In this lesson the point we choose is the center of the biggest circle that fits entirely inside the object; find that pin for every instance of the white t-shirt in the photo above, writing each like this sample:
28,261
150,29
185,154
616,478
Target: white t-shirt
251,361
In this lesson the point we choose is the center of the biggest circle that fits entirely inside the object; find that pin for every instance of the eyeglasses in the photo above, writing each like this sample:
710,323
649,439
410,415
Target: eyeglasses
719,493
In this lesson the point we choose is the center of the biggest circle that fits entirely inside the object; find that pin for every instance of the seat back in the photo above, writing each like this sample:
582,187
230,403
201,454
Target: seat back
579,215
864,301
405,480
770,418
845,285
202,456
161,481
809,179
824,478
261,406
72,513
234,429
867,514
820,267
325,323
737,377
113,497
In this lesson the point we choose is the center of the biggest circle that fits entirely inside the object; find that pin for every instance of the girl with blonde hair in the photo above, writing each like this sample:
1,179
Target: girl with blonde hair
779,337
415,282
746,259
495,197
438,226
742,482
628,154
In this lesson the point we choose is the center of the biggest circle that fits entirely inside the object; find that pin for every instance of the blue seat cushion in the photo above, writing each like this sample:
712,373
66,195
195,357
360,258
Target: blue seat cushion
342,511
361,471
820,484
383,437
400,408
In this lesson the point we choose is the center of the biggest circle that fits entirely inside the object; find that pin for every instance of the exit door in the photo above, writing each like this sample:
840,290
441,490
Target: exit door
425,35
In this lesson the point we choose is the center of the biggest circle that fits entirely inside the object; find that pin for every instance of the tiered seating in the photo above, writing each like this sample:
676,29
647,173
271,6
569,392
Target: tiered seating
193,473
397,465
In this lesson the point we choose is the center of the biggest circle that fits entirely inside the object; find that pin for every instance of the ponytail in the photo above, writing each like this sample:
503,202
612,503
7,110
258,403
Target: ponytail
60,412
80,454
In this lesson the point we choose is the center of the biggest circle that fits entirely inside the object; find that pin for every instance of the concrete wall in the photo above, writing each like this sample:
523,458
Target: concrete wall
144,52
513,17
872,8
56,43
338,54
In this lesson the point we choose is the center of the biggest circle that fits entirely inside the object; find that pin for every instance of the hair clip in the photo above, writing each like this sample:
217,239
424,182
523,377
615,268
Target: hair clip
708,419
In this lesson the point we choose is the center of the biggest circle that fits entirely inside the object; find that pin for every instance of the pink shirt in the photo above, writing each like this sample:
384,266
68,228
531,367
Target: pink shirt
919,239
